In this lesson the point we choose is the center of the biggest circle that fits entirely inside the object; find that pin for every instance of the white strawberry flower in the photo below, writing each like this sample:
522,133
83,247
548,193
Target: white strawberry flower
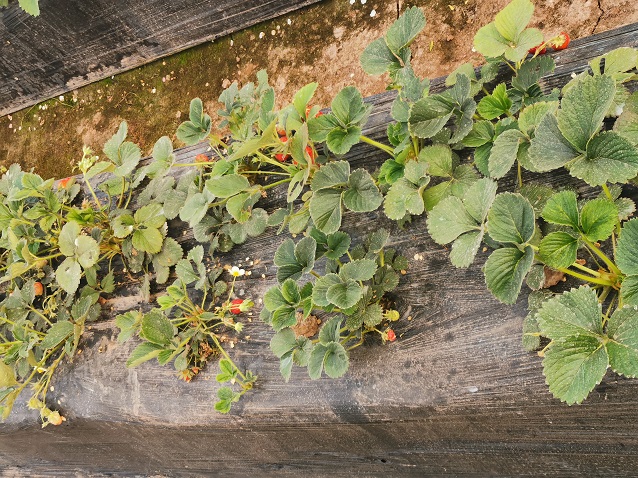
236,271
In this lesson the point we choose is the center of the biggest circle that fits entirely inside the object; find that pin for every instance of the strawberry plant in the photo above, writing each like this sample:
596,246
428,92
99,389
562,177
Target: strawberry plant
535,230
32,7
352,289
65,247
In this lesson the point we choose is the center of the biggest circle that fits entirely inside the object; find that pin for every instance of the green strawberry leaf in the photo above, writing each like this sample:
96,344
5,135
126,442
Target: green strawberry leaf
496,104
340,141
573,313
448,220
32,7
344,294
511,219
629,290
507,35
531,116
335,360
337,245
549,148
315,362
361,195
198,128
598,218
573,367
405,196
194,209
68,275
583,109
512,20
465,248
428,116
240,205
143,353
283,342
227,185
558,249
404,30
283,317
462,221
622,346
348,107
292,260
627,248
148,240
610,158
320,290
562,208
505,271
56,334
333,174
358,270
303,97
627,123
377,58
325,210
504,152
156,328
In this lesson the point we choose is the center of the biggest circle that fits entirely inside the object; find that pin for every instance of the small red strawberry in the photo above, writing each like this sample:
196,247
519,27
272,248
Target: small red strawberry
308,108
311,153
64,183
235,306
391,335
202,158
38,288
536,51
561,41
282,158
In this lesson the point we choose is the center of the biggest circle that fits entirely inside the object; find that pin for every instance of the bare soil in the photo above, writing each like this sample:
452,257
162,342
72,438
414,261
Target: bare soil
321,43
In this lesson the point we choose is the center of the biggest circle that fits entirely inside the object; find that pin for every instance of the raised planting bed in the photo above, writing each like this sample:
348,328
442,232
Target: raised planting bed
455,394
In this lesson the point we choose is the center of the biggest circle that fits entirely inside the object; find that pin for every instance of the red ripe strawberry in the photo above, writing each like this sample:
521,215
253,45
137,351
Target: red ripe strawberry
38,288
281,132
535,50
561,41
235,306
282,158
64,183
391,335
308,108
311,153
202,158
